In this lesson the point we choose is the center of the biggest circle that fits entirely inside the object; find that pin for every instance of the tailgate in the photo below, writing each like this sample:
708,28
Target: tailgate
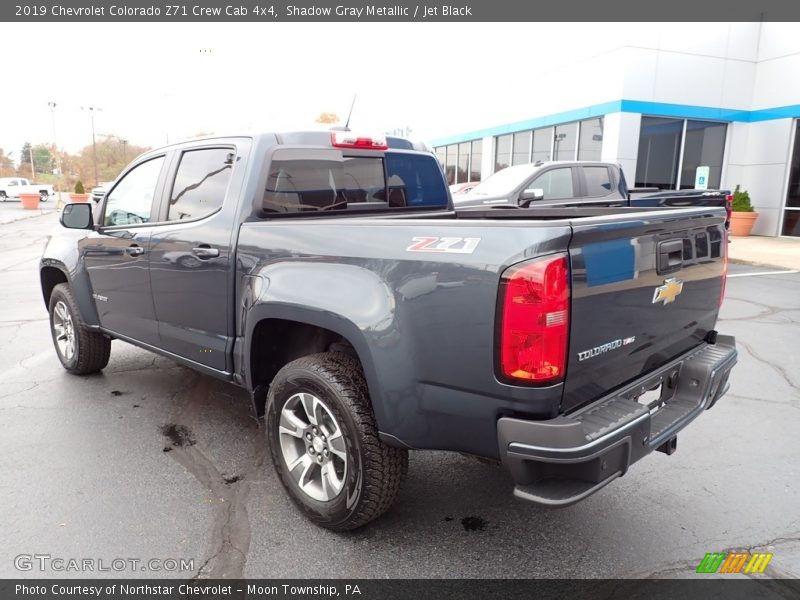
645,288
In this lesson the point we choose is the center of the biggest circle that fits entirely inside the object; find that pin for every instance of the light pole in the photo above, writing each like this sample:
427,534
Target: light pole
92,110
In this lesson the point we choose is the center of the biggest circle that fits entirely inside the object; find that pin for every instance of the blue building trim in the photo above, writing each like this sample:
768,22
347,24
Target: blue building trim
656,109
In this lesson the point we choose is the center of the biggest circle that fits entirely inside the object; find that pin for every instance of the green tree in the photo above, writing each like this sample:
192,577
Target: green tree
43,159
24,169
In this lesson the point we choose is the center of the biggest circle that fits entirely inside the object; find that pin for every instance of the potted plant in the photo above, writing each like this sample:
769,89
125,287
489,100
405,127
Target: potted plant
744,215
29,201
80,194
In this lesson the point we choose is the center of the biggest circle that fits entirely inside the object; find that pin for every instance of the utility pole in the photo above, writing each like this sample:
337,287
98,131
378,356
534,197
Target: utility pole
52,106
124,148
33,171
92,110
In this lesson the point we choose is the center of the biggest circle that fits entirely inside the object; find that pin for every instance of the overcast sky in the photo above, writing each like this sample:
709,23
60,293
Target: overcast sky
159,82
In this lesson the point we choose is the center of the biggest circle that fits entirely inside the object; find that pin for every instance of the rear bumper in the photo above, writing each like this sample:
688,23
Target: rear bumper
561,461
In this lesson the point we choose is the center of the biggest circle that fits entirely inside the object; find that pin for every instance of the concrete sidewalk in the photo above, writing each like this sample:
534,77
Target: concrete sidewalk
11,210
774,252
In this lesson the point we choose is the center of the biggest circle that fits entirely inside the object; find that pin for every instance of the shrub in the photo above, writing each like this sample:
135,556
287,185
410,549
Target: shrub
741,201
80,190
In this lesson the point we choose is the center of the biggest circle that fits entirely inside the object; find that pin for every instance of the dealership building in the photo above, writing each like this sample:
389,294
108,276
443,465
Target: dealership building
716,103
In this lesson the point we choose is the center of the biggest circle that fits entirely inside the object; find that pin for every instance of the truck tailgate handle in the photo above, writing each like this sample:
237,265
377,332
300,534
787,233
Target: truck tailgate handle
670,256
205,252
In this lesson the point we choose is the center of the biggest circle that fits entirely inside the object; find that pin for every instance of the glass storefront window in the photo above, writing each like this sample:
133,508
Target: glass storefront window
522,148
475,164
452,158
659,152
791,214
463,163
502,155
542,144
564,145
590,144
703,146
441,154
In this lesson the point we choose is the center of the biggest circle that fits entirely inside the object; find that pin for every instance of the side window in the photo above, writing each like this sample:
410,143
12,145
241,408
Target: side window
200,183
131,201
13,182
556,184
598,181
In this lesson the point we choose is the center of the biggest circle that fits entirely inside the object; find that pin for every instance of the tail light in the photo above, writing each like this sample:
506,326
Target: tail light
347,139
724,252
728,209
534,326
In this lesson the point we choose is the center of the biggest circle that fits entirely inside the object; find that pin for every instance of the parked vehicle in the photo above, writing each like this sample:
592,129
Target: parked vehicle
366,317
99,191
12,187
578,183
463,188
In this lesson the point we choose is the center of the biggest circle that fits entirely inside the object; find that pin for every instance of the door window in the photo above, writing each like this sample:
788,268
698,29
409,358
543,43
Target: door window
200,183
131,201
556,184
598,182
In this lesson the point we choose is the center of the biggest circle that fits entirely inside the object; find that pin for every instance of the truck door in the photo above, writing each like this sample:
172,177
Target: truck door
116,258
191,260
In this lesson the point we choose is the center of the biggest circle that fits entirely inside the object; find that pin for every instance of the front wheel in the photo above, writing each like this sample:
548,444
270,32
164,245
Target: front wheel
3,196
80,351
325,445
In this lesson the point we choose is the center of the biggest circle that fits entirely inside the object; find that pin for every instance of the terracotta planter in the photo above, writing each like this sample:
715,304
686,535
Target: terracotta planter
29,201
742,222
79,197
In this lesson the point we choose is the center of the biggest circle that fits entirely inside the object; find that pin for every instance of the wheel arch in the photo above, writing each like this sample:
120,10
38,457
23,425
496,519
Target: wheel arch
277,335
50,276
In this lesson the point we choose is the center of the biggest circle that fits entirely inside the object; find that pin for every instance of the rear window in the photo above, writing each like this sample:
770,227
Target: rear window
303,180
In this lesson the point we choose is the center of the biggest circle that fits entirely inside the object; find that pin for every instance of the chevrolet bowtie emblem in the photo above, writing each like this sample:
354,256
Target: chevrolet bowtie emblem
669,291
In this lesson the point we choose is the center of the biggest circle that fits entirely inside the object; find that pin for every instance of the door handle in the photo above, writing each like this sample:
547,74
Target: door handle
205,252
134,250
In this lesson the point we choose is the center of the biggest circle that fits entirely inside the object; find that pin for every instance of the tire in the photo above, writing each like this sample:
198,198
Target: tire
44,196
3,197
331,386
80,351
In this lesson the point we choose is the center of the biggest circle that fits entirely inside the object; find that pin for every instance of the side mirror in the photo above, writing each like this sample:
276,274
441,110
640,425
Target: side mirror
77,216
531,195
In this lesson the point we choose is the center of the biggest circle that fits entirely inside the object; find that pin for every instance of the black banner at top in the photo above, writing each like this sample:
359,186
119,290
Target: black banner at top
276,11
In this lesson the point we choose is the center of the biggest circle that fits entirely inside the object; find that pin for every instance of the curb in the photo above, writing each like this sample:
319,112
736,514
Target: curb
755,263
39,213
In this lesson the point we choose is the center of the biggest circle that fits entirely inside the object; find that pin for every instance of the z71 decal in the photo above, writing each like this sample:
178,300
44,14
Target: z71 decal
453,245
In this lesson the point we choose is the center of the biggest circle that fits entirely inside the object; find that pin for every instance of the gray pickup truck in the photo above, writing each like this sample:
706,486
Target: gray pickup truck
329,275
578,183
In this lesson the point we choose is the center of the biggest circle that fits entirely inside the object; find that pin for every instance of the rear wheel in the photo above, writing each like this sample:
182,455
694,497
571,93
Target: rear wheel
43,196
80,351
3,197
324,442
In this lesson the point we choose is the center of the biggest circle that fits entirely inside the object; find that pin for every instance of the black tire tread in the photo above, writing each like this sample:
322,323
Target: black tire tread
384,467
94,349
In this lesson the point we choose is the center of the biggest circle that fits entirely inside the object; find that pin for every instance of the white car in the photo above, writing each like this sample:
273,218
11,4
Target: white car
100,190
12,187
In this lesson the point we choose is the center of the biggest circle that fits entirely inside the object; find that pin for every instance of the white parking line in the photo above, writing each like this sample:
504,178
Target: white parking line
762,273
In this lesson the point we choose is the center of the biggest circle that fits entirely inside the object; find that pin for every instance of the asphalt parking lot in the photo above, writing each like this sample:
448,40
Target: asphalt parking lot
86,470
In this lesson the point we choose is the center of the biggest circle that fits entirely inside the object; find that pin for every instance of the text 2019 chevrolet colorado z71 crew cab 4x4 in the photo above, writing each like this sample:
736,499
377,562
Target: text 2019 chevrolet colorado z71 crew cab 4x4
330,276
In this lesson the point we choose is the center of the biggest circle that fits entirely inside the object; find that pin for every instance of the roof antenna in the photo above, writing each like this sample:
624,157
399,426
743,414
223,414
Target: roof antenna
350,114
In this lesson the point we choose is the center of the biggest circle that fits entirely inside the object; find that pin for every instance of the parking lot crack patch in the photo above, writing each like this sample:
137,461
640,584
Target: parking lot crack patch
777,368
230,531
